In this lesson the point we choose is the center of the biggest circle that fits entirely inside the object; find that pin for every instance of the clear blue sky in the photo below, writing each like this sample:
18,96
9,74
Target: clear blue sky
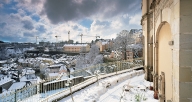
23,20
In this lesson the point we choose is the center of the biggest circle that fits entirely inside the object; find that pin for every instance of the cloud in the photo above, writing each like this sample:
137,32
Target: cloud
99,25
27,25
32,6
69,10
104,18
135,19
36,1
1,5
41,28
7,1
75,27
2,25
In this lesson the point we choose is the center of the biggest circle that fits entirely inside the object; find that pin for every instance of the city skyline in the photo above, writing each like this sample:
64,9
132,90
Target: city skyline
24,20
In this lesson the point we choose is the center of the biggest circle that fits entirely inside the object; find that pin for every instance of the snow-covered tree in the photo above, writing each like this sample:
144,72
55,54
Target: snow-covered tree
123,39
83,49
90,58
94,51
98,59
80,61
135,48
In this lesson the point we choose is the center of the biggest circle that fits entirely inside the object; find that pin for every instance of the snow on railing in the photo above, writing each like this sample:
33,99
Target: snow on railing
59,95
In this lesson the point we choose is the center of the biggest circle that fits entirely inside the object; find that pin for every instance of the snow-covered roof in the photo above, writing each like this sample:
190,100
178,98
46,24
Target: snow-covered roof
5,68
53,74
3,61
81,45
62,79
55,65
31,78
5,80
28,71
41,58
103,43
17,85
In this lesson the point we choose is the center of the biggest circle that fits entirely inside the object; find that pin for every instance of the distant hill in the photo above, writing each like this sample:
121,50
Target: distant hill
1,42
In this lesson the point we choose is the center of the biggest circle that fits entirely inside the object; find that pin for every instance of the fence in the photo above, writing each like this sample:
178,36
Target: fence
49,88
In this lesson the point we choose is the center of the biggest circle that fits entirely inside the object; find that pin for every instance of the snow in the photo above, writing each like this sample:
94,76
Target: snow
41,58
32,78
104,43
109,89
17,85
3,61
28,71
115,90
53,74
5,79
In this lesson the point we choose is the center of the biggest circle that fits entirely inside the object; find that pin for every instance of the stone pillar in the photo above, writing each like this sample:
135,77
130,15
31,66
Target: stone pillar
155,64
150,74
155,83
146,72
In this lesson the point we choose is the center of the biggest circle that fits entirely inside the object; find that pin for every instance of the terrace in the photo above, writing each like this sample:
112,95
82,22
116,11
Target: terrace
56,89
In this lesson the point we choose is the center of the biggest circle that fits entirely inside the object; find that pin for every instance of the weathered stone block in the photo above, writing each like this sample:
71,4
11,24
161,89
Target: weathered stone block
185,7
185,91
185,41
185,22
185,74
185,57
184,100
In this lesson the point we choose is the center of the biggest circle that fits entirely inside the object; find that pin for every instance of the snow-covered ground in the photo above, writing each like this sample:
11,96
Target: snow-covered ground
109,89
114,92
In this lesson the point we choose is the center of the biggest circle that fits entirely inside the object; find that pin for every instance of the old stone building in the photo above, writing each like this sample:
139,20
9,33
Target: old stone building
76,48
167,30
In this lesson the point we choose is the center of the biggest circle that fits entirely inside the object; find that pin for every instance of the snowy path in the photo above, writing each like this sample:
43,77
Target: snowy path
113,93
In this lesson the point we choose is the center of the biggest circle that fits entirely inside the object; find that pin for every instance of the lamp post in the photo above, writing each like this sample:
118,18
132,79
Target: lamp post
69,84
97,75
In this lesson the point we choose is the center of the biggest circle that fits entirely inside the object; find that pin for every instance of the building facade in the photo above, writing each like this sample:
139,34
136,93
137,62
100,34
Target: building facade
168,48
76,48
104,44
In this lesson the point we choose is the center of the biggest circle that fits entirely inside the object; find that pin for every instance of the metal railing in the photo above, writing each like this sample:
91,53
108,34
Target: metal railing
49,88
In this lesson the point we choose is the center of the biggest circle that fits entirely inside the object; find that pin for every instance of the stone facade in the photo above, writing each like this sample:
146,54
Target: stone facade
168,47
76,48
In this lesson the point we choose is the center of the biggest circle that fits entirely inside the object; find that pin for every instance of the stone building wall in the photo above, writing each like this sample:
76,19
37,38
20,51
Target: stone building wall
160,17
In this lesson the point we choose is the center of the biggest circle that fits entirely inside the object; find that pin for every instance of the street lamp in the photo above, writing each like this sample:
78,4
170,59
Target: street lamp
69,84
97,75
